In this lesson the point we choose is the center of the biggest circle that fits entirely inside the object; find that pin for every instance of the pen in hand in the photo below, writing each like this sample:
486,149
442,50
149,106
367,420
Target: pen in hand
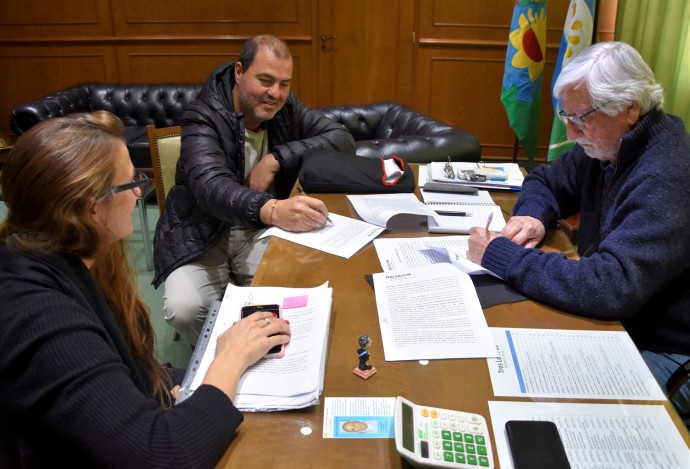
488,223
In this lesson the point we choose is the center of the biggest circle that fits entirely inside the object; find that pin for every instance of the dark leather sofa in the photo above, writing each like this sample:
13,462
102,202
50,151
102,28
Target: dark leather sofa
381,129
138,105
389,128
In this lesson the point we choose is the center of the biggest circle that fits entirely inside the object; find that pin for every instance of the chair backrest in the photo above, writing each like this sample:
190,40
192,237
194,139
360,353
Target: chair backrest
165,151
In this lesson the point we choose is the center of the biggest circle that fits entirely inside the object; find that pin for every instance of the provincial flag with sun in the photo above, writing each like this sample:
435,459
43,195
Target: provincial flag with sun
521,91
577,36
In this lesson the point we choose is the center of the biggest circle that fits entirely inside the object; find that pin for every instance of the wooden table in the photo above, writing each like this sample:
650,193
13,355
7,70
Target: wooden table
275,440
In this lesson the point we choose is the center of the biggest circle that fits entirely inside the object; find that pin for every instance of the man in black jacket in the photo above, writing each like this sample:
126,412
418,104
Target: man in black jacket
242,145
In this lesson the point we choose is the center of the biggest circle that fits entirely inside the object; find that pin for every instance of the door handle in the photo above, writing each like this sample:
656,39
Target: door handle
325,38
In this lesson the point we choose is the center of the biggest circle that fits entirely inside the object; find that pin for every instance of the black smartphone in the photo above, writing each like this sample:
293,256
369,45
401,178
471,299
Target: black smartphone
536,445
275,309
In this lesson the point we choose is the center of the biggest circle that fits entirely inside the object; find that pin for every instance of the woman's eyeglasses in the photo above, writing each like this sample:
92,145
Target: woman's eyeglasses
137,185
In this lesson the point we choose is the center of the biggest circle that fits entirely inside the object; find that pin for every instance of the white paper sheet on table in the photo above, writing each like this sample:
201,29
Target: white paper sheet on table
378,209
600,436
431,312
410,253
343,238
570,363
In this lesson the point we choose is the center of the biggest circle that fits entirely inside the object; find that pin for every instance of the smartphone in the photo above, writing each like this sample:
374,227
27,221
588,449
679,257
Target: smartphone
536,445
275,309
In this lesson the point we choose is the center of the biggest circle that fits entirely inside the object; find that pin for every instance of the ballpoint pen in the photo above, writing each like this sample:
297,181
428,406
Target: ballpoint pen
453,214
488,223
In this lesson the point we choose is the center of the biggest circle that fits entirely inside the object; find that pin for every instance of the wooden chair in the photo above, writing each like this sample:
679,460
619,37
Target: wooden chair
164,144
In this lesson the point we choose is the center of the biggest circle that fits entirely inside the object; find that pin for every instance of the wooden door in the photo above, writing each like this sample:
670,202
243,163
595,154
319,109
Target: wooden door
364,51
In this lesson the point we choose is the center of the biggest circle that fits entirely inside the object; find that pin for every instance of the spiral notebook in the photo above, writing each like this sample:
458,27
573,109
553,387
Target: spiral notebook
476,209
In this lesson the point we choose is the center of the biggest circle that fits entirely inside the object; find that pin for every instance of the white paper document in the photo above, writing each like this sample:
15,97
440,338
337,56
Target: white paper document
344,237
431,312
570,363
379,208
358,417
294,380
476,208
410,253
600,436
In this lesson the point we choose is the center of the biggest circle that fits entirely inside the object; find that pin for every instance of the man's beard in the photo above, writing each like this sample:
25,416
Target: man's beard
597,152
251,112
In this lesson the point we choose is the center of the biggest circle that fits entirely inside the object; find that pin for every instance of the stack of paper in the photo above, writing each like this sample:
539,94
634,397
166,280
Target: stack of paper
296,379
509,175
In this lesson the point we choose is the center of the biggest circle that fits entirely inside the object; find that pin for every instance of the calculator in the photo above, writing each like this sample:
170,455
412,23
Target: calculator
432,437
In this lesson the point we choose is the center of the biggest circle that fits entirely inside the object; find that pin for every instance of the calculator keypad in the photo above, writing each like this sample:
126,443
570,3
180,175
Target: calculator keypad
453,438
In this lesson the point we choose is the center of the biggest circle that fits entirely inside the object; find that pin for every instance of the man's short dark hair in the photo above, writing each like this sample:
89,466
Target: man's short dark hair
276,45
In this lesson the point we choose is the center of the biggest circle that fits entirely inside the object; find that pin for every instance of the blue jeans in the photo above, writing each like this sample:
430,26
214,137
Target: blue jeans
662,366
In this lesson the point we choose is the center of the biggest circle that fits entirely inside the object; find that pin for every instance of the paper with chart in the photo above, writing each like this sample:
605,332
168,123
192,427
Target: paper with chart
600,436
343,237
570,363
410,253
431,312
378,209
295,380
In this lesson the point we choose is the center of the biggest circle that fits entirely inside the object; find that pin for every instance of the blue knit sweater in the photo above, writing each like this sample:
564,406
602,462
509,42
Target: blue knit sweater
634,238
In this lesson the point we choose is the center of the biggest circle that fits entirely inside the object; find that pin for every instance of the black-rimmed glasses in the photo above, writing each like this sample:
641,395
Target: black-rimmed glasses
578,121
137,185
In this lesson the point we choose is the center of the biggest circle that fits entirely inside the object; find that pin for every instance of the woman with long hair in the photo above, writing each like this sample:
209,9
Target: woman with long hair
79,382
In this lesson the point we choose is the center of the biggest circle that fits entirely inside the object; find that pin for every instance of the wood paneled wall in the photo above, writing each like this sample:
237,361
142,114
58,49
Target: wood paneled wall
442,57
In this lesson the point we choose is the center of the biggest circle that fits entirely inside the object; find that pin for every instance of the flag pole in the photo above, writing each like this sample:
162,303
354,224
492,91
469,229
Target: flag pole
516,145
595,26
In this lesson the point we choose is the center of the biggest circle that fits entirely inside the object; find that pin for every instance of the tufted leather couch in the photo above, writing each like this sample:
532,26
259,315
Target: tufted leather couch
138,105
389,128
381,129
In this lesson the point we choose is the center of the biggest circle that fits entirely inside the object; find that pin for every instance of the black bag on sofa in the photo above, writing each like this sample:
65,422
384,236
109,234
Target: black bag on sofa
328,171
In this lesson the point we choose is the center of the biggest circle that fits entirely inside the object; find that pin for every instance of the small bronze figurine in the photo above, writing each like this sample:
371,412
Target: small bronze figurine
364,369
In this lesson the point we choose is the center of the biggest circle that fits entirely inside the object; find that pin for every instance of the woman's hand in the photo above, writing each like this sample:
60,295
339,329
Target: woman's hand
241,346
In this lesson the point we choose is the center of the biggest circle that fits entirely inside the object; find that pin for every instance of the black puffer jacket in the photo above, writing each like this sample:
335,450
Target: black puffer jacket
209,195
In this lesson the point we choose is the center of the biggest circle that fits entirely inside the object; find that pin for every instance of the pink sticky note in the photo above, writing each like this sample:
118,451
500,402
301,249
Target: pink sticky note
295,301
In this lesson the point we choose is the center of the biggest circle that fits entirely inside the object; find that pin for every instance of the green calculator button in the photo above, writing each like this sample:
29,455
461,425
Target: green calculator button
483,461
469,448
479,439
460,458
448,456
469,438
481,449
447,446
459,447
472,459
445,434
457,436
